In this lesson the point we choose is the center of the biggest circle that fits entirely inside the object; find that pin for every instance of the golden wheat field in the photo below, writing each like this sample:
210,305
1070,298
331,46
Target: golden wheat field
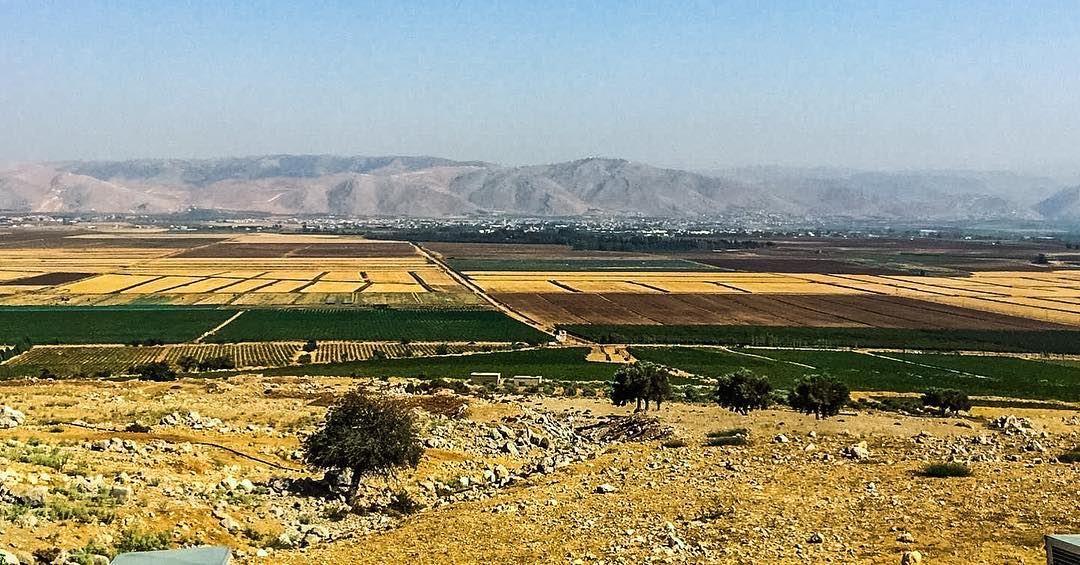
212,269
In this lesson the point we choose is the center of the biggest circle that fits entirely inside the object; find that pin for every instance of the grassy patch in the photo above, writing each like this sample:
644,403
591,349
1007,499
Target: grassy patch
377,325
116,324
946,470
1033,341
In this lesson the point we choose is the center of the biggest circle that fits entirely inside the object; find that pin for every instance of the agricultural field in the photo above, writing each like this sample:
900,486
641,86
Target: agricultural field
995,376
1016,341
246,270
376,325
70,361
75,325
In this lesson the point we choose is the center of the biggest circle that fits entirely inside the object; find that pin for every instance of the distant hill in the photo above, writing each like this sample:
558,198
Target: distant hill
435,187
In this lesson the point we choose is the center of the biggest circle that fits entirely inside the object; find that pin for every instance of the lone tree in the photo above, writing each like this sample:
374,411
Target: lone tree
820,395
743,391
367,434
946,400
641,382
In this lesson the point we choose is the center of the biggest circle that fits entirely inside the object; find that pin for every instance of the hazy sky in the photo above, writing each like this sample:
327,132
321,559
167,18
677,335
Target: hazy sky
900,84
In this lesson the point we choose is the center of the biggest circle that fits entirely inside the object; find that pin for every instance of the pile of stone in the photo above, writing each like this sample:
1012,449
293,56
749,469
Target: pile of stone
192,420
1013,425
10,418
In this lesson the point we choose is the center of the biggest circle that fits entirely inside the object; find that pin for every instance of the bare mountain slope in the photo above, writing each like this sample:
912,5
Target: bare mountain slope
433,187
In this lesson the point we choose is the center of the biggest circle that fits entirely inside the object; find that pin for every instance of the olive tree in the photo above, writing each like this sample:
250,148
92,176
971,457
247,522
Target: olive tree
641,382
367,434
820,395
743,391
946,400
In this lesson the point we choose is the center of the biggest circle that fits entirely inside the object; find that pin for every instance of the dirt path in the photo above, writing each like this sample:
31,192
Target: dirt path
475,288
218,327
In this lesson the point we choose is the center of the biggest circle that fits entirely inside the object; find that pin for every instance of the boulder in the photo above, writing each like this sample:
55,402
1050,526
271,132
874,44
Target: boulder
911,558
7,558
859,451
605,489
10,418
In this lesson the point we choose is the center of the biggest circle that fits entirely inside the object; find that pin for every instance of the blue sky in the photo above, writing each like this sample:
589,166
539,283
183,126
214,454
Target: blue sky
989,85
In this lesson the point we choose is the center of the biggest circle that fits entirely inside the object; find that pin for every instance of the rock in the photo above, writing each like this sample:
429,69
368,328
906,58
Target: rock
605,489
7,558
781,438
1012,425
816,538
859,452
905,537
24,495
230,525
229,484
285,541
911,558
99,560
10,418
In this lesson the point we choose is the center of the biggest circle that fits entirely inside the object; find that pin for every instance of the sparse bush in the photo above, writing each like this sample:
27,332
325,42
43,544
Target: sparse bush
304,358
945,470
1072,456
379,355
442,349
726,440
368,434
820,395
743,391
136,539
187,363
404,504
946,400
674,444
310,346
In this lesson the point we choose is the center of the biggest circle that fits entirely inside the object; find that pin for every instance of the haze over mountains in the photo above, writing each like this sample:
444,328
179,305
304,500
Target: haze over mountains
434,187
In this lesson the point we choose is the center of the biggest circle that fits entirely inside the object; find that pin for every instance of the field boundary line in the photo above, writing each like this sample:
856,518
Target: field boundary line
924,365
218,327
477,290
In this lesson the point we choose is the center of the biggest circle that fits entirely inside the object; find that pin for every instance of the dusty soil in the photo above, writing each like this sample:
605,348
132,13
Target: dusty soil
797,501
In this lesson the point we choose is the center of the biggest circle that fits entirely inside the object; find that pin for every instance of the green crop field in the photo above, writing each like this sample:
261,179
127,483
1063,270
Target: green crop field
577,265
376,325
113,324
997,376
1033,341
559,364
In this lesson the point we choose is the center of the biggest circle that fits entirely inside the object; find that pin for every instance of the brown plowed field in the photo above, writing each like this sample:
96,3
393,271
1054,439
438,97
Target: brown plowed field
758,310
48,279
785,265
307,250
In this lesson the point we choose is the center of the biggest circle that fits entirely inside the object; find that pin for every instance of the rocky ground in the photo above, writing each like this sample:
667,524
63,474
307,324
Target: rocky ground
87,467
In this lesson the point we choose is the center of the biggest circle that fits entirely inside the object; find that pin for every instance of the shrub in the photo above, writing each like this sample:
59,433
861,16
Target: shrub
310,346
946,400
223,362
135,539
367,434
187,363
304,358
442,349
944,470
1072,456
674,444
743,391
157,371
379,355
404,504
820,395
726,440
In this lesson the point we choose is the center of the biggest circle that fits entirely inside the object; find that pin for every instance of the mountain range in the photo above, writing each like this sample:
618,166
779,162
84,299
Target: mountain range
435,187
